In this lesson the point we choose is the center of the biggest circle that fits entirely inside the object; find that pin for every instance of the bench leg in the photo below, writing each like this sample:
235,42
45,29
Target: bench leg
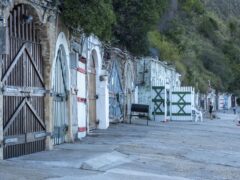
130,118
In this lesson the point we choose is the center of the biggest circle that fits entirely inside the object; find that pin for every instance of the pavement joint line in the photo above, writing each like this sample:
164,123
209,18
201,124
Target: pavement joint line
179,156
182,128
92,170
187,159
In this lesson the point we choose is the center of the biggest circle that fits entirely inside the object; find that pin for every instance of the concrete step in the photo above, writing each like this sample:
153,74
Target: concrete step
105,161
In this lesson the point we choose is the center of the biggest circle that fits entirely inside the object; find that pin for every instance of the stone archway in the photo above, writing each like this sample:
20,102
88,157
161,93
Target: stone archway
60,86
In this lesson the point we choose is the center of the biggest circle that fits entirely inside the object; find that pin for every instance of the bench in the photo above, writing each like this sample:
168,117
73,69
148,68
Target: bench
139,108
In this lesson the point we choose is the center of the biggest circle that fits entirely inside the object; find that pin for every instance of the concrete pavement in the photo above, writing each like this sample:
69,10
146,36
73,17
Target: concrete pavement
173,150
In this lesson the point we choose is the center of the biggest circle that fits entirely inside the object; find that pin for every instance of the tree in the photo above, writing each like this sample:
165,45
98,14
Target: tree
191,6
91,16
135,19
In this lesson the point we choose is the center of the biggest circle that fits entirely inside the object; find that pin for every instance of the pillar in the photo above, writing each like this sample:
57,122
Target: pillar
103,103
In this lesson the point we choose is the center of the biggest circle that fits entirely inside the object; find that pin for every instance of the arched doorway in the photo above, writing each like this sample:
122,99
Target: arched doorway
60,97
116,95
92,97
24,127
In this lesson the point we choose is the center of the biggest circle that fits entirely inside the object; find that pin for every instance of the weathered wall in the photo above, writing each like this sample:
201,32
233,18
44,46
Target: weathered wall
81,97
123,94
224,101
52,33
91,46
152,72
144,81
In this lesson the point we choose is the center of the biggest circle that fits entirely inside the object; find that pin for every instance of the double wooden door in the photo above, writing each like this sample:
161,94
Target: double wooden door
116,94
23,88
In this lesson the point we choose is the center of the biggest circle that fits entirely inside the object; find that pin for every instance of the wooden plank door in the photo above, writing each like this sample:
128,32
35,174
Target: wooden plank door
116,95
23,88
158,103
182,103
60,99
129,89
92,94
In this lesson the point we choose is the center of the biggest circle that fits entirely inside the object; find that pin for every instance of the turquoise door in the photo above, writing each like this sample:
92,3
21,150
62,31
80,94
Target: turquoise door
116,95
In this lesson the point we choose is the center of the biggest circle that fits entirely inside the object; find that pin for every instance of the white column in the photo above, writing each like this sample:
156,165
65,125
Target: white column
103,103
81,107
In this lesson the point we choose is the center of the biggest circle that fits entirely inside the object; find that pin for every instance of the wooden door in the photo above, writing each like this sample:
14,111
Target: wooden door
129,89
116,95
60,99
92,94
23,88
182,101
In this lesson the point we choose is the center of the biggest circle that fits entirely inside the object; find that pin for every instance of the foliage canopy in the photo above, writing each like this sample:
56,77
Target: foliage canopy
202,39
92,16
207,44
126,22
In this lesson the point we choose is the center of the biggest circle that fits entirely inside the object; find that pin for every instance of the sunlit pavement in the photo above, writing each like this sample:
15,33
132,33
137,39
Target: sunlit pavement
172,150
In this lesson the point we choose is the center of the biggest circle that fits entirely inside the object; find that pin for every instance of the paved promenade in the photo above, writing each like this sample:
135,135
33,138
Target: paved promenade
173,150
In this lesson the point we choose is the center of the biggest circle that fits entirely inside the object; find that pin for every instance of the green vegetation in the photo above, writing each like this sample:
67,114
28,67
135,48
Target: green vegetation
126,22
191,6
92,16
200,37
134,20
168,49
203,44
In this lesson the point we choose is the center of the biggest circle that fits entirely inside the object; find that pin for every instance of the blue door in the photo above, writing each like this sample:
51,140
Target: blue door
116,95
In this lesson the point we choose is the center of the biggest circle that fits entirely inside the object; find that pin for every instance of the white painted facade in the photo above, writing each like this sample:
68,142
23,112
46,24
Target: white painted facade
152,72
211,97
182,112
92,47
81,105
224,101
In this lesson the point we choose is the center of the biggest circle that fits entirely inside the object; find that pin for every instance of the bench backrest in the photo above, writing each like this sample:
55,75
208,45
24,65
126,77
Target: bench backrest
140,108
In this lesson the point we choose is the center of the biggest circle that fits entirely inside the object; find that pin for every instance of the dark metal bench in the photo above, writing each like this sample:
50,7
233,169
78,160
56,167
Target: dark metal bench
139,108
